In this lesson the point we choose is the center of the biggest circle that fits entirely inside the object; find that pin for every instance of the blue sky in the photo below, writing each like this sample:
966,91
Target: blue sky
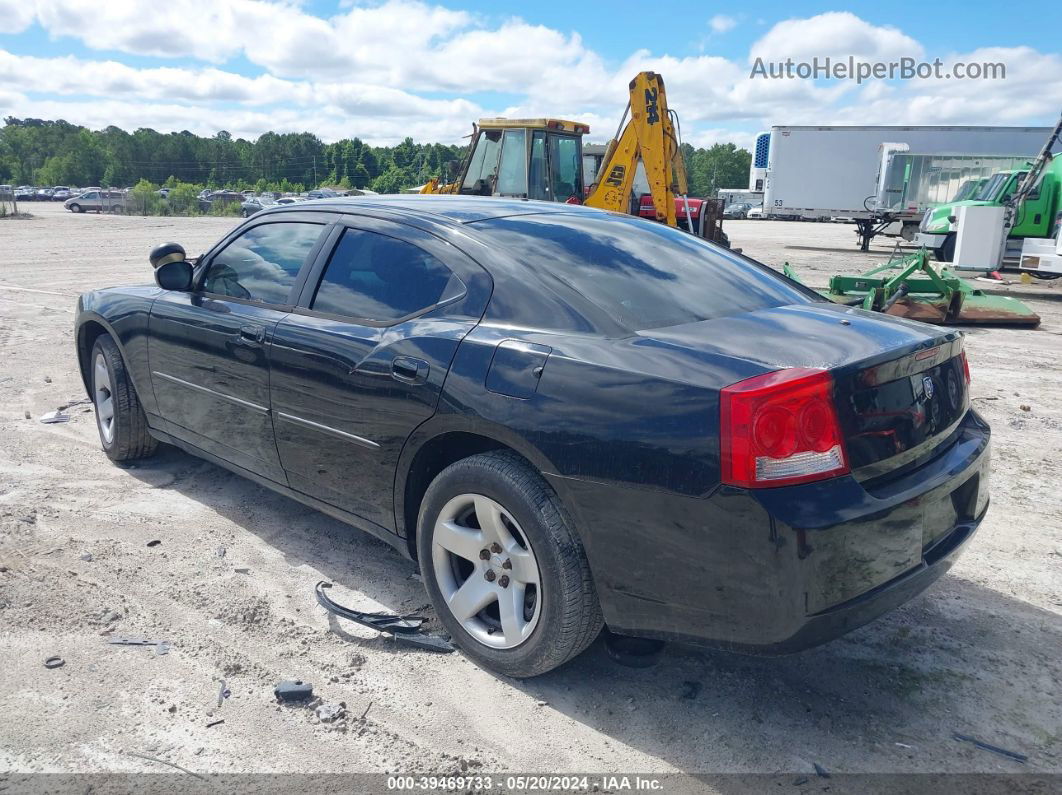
383,70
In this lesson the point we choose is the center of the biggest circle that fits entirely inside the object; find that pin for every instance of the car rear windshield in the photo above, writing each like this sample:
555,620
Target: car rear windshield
639,273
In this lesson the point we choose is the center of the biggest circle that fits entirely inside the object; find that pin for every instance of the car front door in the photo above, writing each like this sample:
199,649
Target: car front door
360,363
209,348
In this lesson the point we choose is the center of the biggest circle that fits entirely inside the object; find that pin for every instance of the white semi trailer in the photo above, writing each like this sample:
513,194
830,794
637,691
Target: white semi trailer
822,172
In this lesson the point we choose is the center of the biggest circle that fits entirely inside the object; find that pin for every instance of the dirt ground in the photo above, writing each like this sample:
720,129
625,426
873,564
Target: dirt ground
230,586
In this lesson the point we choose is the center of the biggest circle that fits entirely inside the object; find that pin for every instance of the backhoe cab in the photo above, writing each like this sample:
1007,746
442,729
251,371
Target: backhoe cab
640,171
524,158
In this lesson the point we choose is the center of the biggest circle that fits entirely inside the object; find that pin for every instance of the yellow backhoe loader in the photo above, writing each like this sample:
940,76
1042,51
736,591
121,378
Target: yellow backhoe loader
543,159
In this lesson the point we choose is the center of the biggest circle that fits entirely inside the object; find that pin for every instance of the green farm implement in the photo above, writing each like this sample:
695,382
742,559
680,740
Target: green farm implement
911,287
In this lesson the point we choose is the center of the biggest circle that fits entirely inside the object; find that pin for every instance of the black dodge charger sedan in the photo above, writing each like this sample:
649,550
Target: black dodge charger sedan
570,418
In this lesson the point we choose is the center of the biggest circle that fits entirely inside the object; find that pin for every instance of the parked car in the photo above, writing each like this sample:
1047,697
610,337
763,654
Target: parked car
60,193
96,201
755,213
255,203
570,418
6,191
220,197
44,194
737,210
290,199
25,193
321,193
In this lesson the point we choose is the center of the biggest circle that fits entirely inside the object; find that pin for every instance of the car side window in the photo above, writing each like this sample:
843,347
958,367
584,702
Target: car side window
262,263
375,277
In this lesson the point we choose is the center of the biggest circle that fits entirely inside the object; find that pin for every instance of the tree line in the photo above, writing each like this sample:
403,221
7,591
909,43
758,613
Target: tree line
42,152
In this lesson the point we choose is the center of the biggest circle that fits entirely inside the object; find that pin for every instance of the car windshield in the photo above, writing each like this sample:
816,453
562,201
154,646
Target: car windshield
639,274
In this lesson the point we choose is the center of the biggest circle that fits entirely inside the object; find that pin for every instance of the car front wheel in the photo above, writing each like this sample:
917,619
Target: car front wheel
504,568
119,416
75,208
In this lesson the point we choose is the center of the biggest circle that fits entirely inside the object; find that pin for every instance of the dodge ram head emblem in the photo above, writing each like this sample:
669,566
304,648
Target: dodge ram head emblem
927,385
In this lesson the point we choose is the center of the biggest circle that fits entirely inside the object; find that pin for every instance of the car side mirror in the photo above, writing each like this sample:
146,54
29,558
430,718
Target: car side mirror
172,269
167,252
174,275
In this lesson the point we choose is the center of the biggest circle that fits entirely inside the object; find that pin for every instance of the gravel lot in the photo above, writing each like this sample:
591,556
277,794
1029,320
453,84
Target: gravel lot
978,654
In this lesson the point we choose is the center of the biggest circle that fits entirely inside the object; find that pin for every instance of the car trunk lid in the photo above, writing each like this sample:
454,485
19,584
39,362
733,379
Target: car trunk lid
899,386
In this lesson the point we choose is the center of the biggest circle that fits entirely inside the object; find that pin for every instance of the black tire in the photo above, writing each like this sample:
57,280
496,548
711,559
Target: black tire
130,439
75,208
947,249
570,617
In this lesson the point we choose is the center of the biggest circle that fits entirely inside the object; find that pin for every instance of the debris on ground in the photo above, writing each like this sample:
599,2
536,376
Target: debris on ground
293,690
965,738
820,770
164,762
161,646
403,628
52,417
87,557
75,402
215,723
223,693
326,713
154,542
242,571
54,662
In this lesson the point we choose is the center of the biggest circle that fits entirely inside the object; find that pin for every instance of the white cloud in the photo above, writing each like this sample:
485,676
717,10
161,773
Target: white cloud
408,67
837,34
721,23
15,16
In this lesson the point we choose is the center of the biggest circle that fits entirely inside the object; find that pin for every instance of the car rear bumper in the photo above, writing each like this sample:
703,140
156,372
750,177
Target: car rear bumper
775,571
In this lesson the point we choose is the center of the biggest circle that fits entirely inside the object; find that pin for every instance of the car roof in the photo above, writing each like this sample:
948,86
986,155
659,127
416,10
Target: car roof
458,209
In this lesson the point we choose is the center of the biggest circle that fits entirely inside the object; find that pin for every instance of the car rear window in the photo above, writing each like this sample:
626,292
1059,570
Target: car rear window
640,273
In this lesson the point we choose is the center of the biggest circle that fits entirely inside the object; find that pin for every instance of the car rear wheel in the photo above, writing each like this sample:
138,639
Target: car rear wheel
504,568
119,416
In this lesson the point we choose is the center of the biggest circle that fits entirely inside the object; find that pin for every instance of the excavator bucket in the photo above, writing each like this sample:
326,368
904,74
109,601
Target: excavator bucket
911,287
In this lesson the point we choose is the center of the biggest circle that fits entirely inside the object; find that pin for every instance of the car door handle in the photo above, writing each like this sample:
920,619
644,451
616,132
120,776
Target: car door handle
409,370
251,334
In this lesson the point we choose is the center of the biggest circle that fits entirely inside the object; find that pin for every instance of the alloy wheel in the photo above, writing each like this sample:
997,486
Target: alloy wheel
103,398
486,571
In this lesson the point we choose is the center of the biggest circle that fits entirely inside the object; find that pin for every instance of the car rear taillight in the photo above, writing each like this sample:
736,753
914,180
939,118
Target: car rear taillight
965,368
780,428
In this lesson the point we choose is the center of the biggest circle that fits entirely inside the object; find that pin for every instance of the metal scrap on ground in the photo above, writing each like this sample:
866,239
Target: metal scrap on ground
965,738
404,629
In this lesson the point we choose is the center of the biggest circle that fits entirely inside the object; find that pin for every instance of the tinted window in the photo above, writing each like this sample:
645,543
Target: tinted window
375,277
636,273
262,263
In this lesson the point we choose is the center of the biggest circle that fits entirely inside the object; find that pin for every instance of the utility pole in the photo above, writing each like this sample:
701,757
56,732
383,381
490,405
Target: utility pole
315,171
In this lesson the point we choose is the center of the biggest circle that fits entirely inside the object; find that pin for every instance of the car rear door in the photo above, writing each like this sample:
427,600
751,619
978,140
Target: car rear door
209,348
361,361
